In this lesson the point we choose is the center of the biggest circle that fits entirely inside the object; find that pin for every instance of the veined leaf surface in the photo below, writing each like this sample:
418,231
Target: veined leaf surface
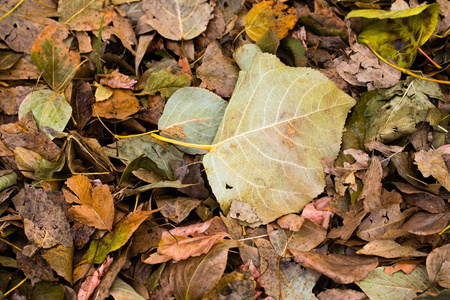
279,124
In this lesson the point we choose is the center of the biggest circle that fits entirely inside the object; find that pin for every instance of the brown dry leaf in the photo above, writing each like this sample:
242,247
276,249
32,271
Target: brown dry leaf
121,105
371,192
308,237
123,29
438,266
12,97
89,285
219,75
352,220
23,69
84,42
425,200
389,249
25,160
96,207
81,102
266,15
194,277
24,134
337,294
363,68
117,80
292,222
382,221
36,269
44,221
341,268
177,209
424,223
406,266
431,163
60,259
294,279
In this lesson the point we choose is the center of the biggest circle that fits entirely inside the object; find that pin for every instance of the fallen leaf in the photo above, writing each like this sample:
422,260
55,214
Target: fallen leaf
50,109
393,113
89,285
389,249
19,33
194,277
266,15
371,192
256,131
420,198
319,217
378,285
96,207
363,68
438,266
117,80
12,98
382,221
36,269
177,209
81,102
82,16
219,75
295,281
339,294
192,115
23,69
340,268
120,105
60,259
431,163
178,19
44,221
54,59
396,35
115,239
164,82
120,290
406,266
424,223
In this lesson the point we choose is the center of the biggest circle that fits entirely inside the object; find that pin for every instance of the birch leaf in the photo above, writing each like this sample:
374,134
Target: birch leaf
279,124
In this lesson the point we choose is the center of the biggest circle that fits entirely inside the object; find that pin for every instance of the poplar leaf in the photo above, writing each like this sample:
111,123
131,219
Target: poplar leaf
279,124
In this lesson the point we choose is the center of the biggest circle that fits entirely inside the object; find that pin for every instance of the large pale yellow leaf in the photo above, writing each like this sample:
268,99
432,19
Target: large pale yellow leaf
178,19
279,124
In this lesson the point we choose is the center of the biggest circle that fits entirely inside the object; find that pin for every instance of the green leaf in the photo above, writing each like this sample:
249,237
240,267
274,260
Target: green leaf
192,115
394,112
397,286
268,42
160,153
279,124
47,291
113,240
54,59
396,35
165,82
50,109
8,180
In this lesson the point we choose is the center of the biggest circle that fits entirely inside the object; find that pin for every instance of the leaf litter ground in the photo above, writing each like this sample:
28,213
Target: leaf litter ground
193,149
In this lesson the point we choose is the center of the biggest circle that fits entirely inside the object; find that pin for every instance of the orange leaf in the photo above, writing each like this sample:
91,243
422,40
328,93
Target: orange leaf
264,16
96,204
119,106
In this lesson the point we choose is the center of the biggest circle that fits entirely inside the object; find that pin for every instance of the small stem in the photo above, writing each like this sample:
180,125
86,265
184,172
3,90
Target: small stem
427,57
12,290
12,9
180,143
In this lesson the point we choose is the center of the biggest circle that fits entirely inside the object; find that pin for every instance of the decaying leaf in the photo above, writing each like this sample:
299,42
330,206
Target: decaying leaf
96,203
397,34
178,19
219,75
120,105
54,59
263,136
83,15
389,249
431,163
269,15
